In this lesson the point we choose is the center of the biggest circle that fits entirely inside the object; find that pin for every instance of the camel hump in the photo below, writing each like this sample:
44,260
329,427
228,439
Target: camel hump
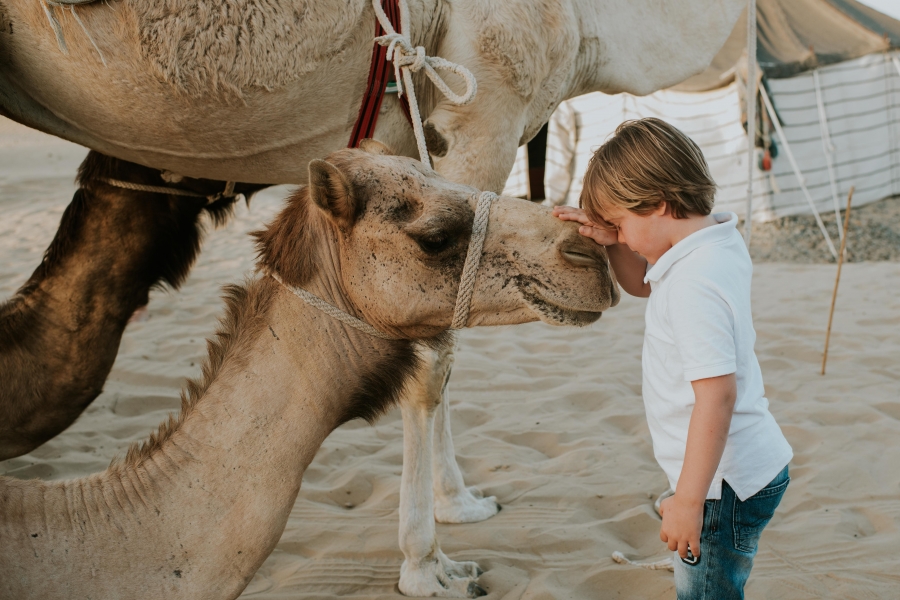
202,49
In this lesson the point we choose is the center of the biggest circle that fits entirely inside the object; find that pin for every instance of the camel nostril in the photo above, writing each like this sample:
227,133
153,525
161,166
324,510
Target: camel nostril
580,259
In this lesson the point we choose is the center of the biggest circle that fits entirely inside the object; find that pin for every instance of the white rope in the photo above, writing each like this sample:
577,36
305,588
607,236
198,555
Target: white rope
797,172
828,148
661,565
473,260
331,310
153,189
50,11
751,114
408,60
466,283
87,33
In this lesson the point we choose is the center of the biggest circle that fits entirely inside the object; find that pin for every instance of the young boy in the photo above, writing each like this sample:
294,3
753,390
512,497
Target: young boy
647,197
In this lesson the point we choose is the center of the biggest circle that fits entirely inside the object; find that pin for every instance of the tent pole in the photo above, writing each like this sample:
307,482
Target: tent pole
800,178
837,279
828,148
751,114
896,63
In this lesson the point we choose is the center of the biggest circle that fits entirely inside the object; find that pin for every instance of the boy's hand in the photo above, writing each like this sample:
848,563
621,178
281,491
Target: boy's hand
602,233
682,524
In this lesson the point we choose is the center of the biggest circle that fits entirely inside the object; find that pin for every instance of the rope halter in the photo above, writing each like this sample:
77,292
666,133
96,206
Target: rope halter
408,59
463,296
228,192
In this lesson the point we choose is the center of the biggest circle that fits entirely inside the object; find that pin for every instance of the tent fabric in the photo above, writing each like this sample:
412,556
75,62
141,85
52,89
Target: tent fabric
711,119
795,36
517,182
871,19
862,105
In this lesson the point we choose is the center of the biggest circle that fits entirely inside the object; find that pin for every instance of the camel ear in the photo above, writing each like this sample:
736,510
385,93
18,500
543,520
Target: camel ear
332,192
375,147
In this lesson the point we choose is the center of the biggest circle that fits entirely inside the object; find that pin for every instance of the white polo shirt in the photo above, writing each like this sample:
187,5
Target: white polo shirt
699,325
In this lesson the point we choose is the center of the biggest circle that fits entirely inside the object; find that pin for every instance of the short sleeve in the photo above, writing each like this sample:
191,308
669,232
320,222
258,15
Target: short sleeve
702,324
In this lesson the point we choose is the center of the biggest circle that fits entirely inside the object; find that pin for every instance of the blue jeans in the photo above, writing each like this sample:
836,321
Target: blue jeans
728,543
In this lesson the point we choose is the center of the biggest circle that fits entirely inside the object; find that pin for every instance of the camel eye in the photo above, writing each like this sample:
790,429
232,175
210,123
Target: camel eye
434,244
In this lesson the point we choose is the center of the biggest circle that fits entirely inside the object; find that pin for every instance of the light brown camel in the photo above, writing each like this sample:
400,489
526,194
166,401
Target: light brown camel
194,511
246,90
59,334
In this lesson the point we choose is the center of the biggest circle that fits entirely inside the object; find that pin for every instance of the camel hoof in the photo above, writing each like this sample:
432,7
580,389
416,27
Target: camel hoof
440,577
465,569
467,507
476,591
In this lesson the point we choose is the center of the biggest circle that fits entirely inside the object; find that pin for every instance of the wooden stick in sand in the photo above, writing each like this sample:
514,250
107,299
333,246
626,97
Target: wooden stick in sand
838,278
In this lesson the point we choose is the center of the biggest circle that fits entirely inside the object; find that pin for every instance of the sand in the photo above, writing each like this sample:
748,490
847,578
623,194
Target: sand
874,229
549,420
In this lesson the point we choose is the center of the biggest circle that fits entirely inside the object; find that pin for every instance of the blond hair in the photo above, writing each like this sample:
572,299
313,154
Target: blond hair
645,163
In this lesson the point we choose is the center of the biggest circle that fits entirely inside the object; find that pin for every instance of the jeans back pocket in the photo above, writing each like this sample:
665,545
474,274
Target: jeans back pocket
752,515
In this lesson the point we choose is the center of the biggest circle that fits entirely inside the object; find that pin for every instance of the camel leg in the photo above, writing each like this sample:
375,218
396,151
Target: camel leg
426,571
60,333
453,501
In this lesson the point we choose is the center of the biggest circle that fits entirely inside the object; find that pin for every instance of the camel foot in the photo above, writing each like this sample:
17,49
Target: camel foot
442,578
465,568
466,507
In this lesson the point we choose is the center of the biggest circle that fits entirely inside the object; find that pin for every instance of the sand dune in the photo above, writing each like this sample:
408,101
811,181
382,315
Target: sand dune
549,420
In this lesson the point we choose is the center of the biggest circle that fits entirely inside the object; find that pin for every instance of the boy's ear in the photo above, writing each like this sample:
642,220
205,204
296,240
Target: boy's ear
663,208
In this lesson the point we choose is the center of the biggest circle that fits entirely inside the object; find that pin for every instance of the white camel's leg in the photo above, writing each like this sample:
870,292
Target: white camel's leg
453,501
426,571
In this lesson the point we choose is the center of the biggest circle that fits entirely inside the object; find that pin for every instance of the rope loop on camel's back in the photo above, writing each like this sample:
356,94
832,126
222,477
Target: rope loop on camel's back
408,59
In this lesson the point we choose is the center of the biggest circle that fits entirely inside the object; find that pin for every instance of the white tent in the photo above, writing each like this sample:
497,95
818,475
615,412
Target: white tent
847,132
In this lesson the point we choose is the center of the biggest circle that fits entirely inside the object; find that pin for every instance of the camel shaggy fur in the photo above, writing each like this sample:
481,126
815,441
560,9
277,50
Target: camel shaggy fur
60,332
194,511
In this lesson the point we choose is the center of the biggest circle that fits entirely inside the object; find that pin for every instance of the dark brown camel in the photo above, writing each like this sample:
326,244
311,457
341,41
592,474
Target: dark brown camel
59,334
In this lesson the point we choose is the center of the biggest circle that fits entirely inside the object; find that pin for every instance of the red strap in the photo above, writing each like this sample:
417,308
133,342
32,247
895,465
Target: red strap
379,74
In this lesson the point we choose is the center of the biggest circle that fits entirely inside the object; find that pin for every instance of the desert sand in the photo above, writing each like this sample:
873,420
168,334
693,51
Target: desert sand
550,420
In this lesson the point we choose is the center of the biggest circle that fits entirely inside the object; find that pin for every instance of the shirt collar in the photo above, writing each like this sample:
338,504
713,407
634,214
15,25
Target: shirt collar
726,223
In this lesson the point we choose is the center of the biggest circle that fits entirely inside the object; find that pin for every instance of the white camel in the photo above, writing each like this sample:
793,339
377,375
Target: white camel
194,511
250,91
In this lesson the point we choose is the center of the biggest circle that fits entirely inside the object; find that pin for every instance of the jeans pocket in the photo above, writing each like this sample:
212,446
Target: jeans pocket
752,515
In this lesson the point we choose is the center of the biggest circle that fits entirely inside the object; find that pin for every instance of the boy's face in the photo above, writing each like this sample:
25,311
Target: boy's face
647,235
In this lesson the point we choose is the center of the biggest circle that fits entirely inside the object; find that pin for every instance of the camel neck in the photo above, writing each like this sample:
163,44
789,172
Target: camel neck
589,60
203,507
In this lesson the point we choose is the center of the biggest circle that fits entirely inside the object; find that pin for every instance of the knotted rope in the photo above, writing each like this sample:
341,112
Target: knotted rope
466,282
153,189
408,60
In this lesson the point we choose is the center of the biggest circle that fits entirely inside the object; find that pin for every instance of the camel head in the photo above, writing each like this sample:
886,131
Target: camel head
391,236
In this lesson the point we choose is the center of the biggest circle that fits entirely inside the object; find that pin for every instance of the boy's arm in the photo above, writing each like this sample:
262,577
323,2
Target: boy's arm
707,433
629,266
